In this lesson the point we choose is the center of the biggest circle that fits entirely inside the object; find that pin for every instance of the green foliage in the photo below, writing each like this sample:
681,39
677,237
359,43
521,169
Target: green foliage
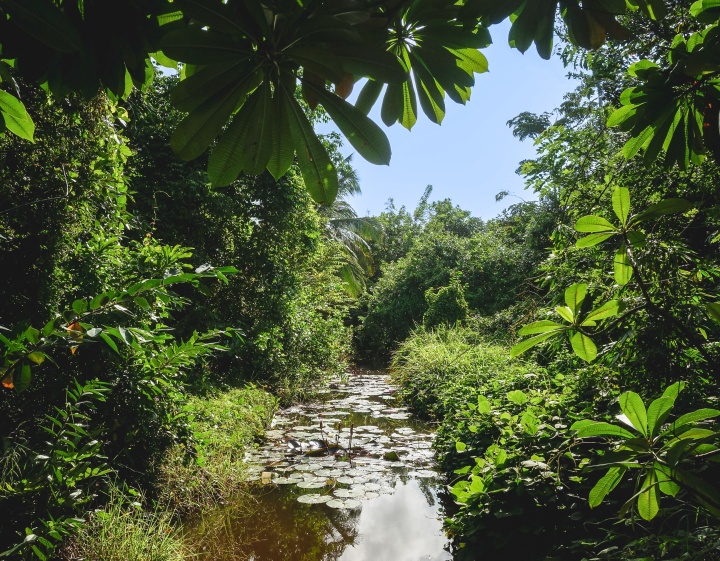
211,470
59,476
665,456
576,326
501,431
435,369
286,300
124,530
494,260
241,64
446,305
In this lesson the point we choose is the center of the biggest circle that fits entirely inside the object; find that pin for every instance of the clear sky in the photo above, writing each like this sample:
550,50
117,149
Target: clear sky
473,155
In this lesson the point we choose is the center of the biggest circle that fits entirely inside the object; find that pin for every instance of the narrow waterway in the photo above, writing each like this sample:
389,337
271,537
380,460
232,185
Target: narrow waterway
348,478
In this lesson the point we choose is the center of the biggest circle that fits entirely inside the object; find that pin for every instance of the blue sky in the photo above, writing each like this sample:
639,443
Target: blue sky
473,155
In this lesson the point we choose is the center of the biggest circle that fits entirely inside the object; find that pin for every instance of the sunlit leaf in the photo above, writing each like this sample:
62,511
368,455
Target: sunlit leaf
634,408
621,203
574,297
16,116
583,346
648,501
622,268
605,485
594,224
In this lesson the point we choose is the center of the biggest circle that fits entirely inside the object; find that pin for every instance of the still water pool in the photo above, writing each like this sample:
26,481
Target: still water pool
350,477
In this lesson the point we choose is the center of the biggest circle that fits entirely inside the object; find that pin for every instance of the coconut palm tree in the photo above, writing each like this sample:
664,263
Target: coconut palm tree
353,233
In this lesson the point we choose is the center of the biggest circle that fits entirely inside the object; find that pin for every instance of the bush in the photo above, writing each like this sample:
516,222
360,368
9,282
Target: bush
504,419
445,306
211,470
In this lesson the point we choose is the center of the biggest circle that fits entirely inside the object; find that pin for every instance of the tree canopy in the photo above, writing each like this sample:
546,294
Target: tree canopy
242,60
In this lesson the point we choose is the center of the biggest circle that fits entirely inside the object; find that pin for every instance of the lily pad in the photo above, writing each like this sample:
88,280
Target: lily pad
287,480
314,499
424,474
343,504
316,484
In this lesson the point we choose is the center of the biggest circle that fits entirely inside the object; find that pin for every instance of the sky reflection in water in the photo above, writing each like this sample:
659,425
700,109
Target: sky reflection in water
399,527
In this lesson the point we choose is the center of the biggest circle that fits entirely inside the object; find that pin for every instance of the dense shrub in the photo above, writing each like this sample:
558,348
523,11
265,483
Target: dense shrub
495,260
445,306
520,476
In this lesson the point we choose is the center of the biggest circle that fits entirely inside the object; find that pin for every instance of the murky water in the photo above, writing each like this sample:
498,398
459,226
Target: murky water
349,478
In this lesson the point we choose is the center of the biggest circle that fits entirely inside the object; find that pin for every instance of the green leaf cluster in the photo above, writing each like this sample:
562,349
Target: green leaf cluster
576,324
664,454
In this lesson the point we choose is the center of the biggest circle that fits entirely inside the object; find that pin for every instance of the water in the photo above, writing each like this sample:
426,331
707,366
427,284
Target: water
325,491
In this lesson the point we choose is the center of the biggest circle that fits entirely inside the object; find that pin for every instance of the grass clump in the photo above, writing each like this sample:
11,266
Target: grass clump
440,369
124,531
223,426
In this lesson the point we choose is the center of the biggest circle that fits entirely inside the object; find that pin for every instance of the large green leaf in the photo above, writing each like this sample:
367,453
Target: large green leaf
527,344
458,37
194,45
317,169
605,485
698,486
368,62
219,16
318,61
608,309
666,482
541,327
583,346
44,21
693,417
592,240
648,501
470,60
368,96
364,135
409,111
621,114
196,131
392,105
575,296
622,267
667,206
621,204
634,409
594,224
657,413
598,428
713,310
247,143
429,92
283,152
16,116
565,313
431,97
193,91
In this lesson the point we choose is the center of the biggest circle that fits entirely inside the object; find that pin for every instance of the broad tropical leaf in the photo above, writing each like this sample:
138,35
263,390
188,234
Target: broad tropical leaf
583,346
634,408
648,501
605,485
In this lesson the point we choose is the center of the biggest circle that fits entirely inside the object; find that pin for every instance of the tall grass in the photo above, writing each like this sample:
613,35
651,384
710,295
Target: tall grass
124,531
436,369
224,425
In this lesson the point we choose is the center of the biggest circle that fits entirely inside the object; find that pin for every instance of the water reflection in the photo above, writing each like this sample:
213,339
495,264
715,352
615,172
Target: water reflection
403,526
382,506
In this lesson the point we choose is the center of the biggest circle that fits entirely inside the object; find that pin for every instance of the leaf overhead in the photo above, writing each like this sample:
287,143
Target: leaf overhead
364,135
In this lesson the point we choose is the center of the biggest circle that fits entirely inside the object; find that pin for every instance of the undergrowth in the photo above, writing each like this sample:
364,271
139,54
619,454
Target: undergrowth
124,531
223,425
